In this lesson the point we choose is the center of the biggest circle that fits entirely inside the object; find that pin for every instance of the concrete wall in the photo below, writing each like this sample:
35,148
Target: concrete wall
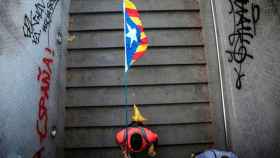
251,76
22,56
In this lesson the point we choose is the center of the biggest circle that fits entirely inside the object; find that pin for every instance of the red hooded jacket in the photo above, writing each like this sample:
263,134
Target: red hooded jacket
123,138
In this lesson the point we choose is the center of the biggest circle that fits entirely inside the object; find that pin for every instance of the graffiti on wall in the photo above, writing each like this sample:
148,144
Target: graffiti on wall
38,19
44,77
245,17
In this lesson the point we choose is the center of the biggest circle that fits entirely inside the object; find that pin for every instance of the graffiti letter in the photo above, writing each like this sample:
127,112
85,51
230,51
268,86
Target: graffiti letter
42,108
43,133
238,83
48,61
27,27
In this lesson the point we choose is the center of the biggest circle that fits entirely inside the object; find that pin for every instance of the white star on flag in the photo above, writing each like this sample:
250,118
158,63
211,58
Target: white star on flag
131,34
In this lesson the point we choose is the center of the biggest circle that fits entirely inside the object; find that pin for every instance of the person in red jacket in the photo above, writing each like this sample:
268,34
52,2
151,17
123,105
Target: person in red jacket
137,140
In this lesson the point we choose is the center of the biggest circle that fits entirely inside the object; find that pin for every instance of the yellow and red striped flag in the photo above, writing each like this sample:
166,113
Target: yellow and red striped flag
135,39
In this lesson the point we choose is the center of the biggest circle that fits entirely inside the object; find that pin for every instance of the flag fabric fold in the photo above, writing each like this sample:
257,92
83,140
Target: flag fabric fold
135,39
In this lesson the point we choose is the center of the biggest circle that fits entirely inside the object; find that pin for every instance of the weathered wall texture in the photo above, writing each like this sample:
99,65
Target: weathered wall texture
31,78
250,52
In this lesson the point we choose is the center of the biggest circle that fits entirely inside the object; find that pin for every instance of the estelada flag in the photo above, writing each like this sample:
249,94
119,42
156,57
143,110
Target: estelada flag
135,39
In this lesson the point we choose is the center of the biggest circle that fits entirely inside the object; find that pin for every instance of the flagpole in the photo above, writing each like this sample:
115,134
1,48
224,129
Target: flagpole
124,39
125,79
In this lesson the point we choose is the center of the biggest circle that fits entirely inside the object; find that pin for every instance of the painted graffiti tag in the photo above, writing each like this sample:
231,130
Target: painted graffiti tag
38,19
33,19
244,30
51,5
44,77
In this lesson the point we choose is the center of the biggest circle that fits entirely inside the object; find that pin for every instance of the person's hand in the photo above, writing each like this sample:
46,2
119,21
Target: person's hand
125,154
193,155
152,151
